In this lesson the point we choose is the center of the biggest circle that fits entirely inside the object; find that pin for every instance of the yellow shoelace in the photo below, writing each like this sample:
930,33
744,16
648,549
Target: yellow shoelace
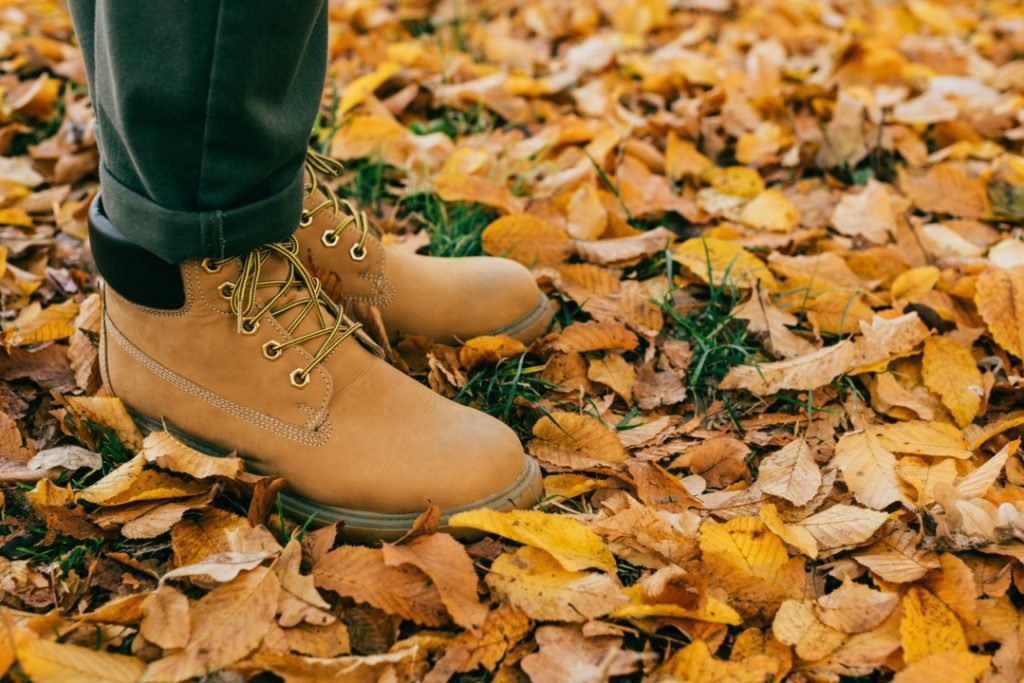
317,164
243,297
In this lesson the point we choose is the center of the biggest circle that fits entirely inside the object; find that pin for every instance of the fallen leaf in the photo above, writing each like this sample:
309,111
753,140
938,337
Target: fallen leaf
363,575
527,239
928,627
790,473
573,545
533,581
565,438
445,561
950,371
225,625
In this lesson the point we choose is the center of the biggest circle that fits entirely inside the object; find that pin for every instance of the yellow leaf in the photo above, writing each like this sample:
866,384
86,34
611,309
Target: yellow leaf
914,283
917,437
563,437
35,324
723,263
530,240
770,210
949,370
792,534
761,145
714,611
109,412
171,454
735,180
131,482
570,485
869,470
489,350
587,219
838,312
746,543
45,660
695,664
360,88
574,546
536,583
928,627
15,217
682,159
925,475
368,136
952,666
467,188
999,295
614,372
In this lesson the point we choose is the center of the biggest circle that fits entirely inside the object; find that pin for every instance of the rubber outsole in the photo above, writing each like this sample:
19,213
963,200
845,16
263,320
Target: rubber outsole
532,325
367,527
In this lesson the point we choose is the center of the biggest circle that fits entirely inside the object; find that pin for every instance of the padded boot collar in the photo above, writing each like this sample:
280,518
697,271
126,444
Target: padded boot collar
133,272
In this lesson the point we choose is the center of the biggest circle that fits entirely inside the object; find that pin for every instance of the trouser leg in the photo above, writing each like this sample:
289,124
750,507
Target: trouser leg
203,112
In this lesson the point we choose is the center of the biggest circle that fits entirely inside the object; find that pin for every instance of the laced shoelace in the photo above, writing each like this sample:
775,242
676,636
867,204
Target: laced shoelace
316,164
243,296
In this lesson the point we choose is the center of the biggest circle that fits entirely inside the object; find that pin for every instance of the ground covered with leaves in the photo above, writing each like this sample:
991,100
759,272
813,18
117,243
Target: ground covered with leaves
779,412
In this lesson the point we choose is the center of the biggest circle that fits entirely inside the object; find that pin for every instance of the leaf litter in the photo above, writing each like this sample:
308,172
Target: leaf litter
779,411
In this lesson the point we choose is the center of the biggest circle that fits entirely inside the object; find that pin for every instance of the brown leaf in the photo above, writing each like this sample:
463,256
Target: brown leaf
225,625
363,575
504,627
566,656
445,561
166,622
527,239
595,336
569,439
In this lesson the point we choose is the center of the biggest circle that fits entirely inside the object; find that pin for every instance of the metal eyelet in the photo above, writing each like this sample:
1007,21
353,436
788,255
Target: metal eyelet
356,253
306,219
226,289
209,266
271,350
299,378
250,326
330,239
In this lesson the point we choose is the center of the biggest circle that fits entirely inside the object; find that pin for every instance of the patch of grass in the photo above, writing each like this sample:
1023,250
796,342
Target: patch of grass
70,554
456,123
718,340
454,227
509,390
369,184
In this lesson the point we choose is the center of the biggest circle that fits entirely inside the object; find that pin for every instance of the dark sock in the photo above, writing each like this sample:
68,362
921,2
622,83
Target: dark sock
133,272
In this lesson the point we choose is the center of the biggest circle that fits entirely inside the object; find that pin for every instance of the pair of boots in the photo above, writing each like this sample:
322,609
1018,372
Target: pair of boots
250,354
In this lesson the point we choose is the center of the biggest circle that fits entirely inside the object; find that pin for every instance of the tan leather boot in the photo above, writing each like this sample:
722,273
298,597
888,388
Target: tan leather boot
256,359
446,299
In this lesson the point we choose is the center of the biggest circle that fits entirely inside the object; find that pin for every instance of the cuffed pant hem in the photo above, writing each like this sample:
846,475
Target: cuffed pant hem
176,236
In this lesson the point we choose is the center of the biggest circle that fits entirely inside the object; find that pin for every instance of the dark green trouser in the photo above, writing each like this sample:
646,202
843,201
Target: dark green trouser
203,109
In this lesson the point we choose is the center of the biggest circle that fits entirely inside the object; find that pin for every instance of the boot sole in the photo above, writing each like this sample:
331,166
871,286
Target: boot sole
532,325
368,527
